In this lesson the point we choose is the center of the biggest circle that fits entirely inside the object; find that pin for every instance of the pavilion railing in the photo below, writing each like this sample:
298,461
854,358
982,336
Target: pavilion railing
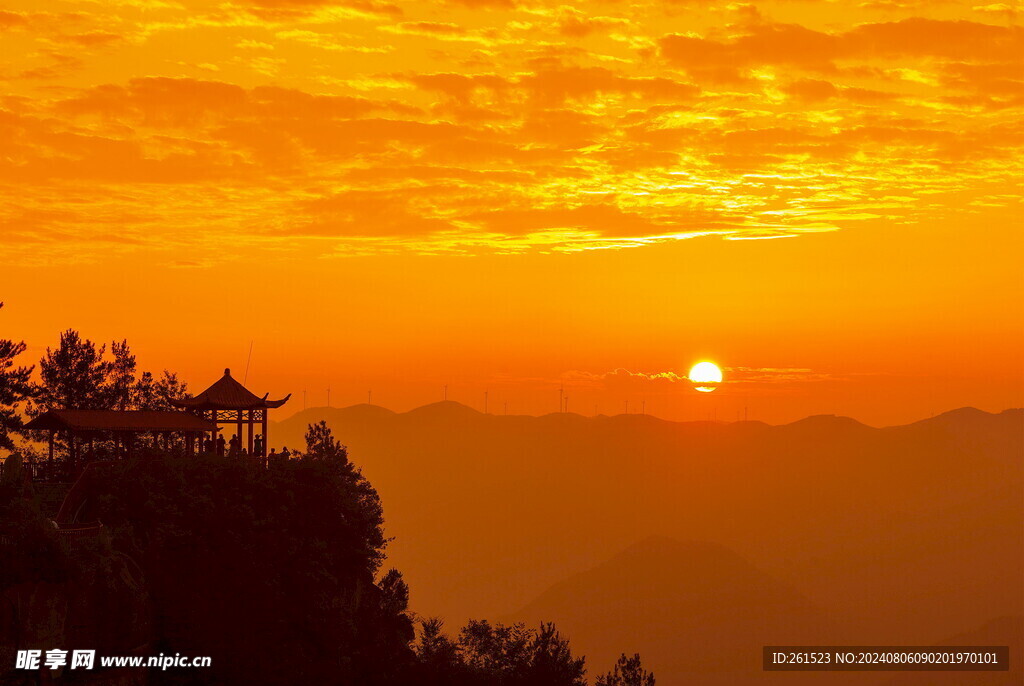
81,537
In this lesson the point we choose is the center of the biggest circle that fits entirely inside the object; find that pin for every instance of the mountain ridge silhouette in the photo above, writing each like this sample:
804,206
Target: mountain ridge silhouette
697,611
444,408
912,530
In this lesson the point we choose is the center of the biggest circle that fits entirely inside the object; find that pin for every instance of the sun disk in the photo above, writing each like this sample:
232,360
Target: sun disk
705,376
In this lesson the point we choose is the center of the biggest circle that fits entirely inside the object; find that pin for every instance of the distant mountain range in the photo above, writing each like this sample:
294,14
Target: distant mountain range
700,615
823,527
697,612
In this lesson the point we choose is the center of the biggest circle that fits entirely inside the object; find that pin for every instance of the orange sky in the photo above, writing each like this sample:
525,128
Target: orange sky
515,197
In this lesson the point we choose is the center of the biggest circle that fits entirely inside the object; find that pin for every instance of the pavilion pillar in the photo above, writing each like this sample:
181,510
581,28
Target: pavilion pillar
239,433
266,445
250,431
213,433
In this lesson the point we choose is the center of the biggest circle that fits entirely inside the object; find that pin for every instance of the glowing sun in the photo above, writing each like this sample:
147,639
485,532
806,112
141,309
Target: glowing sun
705,376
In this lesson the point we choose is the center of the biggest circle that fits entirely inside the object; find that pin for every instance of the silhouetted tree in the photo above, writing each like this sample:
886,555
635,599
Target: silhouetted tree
438,658
169,386
119,382
501,655
383,649
15,387
553,662
154,394
394,592
76,376
628,671
145,392
73,375
321,443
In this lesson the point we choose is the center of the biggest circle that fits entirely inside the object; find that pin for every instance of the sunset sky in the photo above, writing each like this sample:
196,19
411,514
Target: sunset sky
823,197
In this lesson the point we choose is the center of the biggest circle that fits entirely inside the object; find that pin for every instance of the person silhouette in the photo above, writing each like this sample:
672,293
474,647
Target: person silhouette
220,446
11,469
285,454
257,446
235,444
208,447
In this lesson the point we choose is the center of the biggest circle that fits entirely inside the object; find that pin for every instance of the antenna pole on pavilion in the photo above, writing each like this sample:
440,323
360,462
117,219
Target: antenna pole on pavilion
247,361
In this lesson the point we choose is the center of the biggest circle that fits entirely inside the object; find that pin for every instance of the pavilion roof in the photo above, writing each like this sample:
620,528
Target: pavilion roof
129,421
228,394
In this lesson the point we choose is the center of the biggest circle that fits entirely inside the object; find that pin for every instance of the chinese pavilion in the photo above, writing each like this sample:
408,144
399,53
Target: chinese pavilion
123,425
229,402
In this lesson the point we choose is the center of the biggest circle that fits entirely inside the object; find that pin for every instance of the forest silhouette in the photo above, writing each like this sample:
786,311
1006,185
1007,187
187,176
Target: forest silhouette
583,540
274,570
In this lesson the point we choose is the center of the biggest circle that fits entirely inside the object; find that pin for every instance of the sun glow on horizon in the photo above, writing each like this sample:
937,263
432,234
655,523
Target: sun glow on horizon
705,376
506,197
